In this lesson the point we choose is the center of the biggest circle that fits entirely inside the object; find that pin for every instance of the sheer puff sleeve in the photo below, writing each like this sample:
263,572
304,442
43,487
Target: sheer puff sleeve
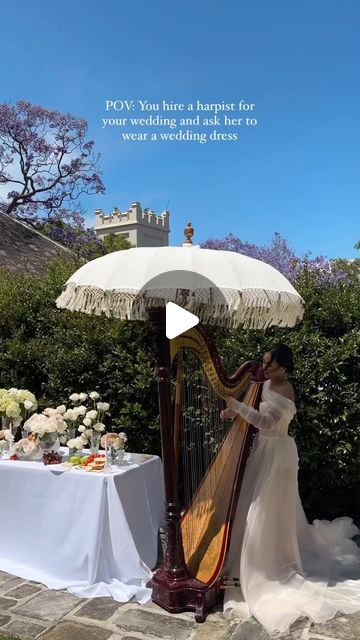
266,418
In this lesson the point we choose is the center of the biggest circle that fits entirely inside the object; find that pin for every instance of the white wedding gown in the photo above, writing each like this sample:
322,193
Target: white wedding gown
287,568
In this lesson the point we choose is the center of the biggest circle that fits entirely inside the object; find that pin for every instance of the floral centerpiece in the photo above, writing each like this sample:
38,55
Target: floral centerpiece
28,449
116,440
114,443
15,406
6,443
47,426
86,419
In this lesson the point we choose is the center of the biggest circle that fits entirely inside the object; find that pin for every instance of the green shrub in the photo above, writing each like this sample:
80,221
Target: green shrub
326,346
54,353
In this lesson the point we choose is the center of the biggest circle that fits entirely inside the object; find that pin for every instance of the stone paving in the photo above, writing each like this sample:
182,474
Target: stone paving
30,610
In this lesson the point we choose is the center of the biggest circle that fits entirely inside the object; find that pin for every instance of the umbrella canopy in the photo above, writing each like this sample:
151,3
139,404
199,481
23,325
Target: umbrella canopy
221,287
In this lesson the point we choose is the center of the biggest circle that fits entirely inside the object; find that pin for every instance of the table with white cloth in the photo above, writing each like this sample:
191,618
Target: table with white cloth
94,534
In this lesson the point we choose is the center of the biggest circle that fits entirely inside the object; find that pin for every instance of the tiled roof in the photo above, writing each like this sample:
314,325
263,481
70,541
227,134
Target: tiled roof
24,249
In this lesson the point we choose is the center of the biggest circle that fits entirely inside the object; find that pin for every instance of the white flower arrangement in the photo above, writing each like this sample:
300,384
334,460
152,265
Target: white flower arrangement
27,449
77,443
16,405
43,423
8,436
85,419
116,440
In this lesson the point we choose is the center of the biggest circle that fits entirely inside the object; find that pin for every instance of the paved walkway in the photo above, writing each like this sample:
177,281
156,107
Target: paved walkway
30,610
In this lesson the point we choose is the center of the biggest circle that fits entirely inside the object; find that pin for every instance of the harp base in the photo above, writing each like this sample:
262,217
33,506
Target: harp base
184,594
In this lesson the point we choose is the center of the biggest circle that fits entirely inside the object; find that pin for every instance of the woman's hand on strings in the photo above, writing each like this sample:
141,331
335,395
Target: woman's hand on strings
227,414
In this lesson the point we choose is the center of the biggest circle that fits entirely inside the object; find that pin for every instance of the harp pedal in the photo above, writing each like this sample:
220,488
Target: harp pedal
230,582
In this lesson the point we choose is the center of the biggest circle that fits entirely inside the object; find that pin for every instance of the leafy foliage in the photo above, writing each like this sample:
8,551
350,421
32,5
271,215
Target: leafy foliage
326,345
54,353
84,243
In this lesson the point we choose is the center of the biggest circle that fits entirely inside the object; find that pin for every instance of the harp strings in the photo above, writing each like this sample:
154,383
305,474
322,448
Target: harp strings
202,434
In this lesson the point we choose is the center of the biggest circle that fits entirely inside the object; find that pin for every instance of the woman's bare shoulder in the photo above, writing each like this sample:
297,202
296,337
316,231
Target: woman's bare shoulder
285,389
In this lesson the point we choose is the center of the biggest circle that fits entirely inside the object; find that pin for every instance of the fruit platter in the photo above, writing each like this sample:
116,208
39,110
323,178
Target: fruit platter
94,462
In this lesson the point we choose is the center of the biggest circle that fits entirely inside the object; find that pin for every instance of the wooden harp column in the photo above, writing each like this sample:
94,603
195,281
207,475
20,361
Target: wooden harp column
190,577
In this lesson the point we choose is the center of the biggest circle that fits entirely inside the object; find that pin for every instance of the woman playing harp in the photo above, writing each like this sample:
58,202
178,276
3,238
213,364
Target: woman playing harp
286,568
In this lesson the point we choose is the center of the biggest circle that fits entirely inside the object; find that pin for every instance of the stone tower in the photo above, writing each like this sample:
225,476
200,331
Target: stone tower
142,227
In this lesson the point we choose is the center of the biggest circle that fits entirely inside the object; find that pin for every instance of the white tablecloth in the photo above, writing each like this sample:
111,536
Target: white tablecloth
92,534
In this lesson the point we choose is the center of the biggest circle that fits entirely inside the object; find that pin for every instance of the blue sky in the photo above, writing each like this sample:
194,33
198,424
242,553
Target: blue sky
296,172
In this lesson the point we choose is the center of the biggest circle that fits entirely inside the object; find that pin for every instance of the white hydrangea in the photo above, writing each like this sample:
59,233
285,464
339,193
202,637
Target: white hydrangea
15,394
29,405
49,412
13,410
24,394
41,424
61,424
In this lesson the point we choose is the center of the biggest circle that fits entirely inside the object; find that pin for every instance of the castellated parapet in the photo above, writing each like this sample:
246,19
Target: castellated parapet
142,227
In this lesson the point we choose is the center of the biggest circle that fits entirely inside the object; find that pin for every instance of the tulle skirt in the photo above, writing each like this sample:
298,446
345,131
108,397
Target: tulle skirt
287,568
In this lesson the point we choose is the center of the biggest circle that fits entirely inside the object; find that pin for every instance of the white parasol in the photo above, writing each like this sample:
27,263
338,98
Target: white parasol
220,287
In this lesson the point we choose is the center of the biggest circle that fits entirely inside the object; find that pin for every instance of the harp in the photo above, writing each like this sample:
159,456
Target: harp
204,462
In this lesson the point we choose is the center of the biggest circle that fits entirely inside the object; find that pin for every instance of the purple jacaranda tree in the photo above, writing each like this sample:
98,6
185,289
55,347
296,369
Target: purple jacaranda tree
82,241
47,163
282,257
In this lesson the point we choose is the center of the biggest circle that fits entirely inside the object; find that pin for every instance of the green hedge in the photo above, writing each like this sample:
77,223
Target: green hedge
54,353
326,346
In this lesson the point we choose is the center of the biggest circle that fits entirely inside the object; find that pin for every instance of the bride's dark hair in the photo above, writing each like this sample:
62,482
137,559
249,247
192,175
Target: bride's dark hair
283,356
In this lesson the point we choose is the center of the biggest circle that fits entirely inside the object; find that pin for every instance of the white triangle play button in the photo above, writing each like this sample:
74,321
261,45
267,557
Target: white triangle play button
178,320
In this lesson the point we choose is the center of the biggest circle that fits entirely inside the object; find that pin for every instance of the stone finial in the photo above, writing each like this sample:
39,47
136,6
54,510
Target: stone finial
189,232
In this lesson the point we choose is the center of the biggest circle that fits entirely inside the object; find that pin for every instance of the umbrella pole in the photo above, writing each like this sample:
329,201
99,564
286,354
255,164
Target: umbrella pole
174,563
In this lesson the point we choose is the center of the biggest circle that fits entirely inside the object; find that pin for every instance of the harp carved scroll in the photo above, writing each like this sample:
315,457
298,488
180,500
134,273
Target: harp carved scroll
209,455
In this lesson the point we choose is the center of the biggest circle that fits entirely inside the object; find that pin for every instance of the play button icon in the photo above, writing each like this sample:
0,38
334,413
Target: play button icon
178,320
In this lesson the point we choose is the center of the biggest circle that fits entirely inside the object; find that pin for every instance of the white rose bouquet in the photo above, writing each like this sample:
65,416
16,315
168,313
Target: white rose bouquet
87,420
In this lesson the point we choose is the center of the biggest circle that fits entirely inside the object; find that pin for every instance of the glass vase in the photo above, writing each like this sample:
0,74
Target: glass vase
49,442
71,432
95,442
120,456
112,454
